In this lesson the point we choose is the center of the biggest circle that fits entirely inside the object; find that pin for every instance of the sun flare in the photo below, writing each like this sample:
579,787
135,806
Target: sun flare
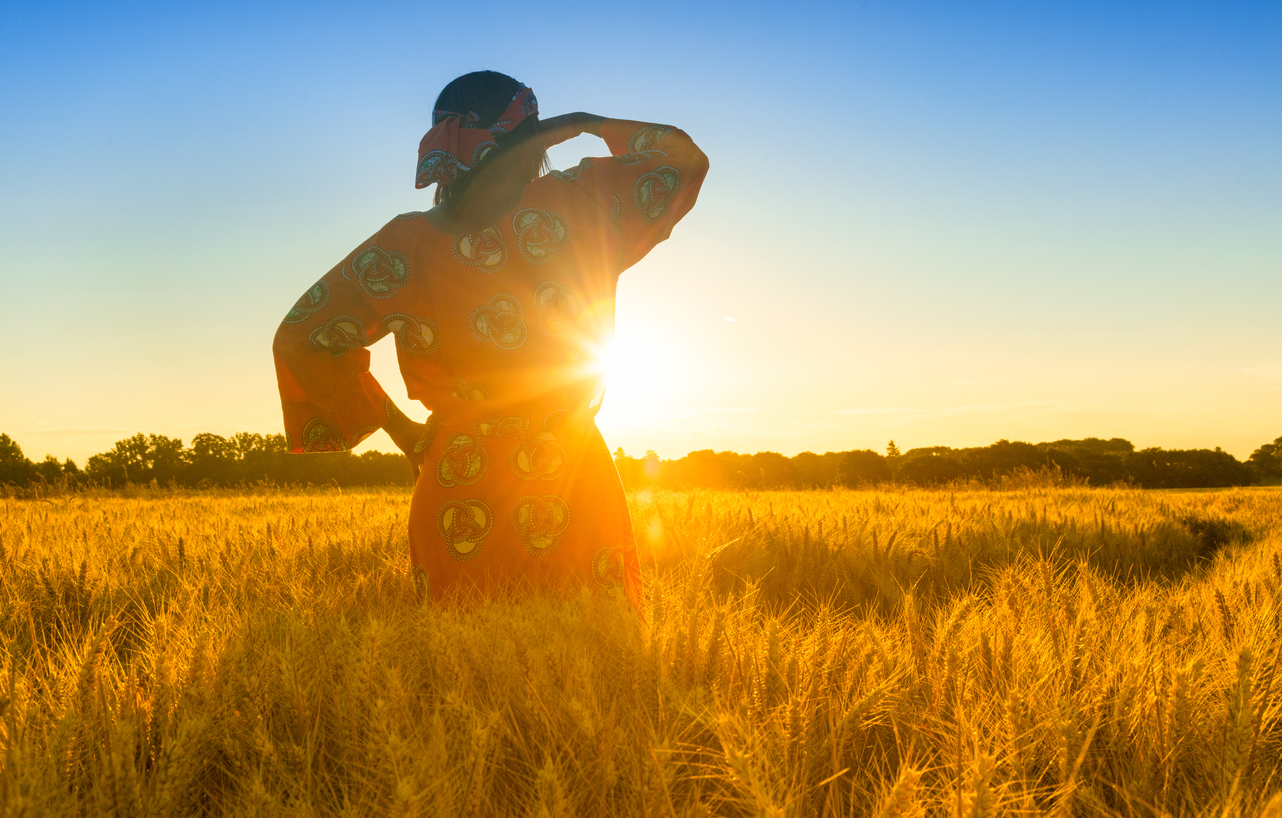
642,368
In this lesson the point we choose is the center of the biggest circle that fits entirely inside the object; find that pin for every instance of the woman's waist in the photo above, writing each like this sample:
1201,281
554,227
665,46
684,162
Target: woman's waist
527,423
524,413
537,442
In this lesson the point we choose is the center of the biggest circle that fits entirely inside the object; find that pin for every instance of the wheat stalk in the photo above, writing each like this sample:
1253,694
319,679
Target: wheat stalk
978,800
1240,718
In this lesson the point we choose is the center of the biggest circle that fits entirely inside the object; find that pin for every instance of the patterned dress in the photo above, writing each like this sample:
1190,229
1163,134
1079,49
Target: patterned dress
497,333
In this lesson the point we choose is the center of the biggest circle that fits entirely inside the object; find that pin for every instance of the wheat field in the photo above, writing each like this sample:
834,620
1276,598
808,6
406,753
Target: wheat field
1037,650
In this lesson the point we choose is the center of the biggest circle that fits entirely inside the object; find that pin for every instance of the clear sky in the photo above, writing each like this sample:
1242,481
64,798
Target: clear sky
942,223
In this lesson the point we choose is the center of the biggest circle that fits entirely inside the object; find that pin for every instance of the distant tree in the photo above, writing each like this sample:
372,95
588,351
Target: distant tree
140,459
702,468
812,470
931,468
249,445
1004,457
49,469
213,458
629,468
892,450
1194,468
650,465
206,446
863,467
248,458
1094,445
1268,458
14,465
774,470
1100,462
925,450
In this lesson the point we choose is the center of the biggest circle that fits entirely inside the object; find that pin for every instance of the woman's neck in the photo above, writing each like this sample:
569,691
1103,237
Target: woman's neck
495,192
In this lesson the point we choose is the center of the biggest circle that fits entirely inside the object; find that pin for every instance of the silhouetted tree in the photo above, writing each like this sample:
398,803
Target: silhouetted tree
863,467
1268,459
1003,457
1195,468
49,469
774,469
140,459
14,465
1100,462
815,470
930,468
703,469
248,458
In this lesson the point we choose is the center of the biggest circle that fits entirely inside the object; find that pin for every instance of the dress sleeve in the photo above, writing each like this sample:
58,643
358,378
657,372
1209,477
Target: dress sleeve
647,185
330,400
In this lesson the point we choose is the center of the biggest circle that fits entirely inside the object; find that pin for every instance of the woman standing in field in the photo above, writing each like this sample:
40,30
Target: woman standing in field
500,299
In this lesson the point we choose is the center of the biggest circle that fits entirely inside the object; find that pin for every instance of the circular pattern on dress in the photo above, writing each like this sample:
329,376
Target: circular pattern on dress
462,463
538,457
417,336
646,138
339,334
508,428
470,391
483,249
654,191
314,299
464,525
319,436
540,234
540,522
380,273
501,321
557,306
608,567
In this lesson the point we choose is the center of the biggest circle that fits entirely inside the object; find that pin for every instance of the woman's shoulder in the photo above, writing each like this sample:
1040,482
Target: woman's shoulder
415,224
575,187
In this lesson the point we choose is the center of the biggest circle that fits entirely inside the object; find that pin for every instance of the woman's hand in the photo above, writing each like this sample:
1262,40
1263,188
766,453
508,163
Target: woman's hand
406,434
564,127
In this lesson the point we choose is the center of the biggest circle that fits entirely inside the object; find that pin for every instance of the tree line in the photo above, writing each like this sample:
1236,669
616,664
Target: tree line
246,458
210,460
1094,461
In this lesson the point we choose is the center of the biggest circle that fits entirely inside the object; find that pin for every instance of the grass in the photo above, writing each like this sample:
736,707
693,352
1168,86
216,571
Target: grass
1039,650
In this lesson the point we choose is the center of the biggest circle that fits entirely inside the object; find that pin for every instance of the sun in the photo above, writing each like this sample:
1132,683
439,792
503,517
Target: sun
642,368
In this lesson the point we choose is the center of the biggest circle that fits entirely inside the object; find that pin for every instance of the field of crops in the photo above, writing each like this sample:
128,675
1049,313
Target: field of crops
1043,649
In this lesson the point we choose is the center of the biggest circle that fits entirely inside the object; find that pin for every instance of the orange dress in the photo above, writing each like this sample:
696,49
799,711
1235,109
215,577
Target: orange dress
498,333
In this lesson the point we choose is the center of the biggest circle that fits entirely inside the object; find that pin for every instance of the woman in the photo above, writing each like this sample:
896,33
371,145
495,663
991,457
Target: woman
500,298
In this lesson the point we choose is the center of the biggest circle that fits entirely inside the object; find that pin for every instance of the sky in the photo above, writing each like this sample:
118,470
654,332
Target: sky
938,223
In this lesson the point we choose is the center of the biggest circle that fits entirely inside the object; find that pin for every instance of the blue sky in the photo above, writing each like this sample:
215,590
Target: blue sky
941,223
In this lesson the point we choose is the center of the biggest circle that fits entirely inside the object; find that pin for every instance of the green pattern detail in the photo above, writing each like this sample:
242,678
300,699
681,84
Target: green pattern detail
380,273
314,299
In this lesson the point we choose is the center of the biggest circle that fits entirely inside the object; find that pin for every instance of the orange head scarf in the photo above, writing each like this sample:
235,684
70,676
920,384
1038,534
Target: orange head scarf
456,143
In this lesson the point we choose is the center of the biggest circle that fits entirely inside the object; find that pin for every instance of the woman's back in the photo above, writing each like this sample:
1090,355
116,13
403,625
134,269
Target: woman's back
497,332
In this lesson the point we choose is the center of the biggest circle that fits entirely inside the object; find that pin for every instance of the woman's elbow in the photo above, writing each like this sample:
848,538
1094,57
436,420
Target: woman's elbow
280,341
700,162
286,342
695,160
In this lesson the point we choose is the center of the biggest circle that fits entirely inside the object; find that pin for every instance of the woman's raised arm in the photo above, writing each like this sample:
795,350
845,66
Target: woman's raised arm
647,185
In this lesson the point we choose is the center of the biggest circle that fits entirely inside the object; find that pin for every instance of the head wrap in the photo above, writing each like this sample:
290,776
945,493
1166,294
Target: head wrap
456,143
